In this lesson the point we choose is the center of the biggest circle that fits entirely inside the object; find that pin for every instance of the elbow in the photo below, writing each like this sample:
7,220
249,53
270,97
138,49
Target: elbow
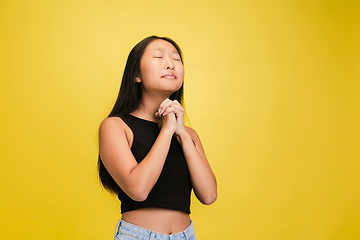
206,195
139,198
135,189
208,198
138,194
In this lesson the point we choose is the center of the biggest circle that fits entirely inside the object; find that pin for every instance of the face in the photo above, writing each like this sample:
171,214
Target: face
161,69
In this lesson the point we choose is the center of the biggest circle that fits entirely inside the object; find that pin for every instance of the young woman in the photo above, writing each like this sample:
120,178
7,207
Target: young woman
147,156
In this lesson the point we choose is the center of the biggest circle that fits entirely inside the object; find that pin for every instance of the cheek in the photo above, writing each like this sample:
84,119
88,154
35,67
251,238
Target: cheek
146,71
180,69
181,74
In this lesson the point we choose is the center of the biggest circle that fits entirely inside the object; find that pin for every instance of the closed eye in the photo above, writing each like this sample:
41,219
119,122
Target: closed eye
176,59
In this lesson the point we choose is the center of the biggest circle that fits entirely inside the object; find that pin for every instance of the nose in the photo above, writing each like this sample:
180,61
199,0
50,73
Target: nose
170,64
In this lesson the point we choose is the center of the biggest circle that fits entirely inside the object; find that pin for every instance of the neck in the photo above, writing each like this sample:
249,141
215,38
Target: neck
148,106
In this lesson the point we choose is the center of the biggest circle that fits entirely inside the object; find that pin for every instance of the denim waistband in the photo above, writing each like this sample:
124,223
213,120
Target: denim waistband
145,234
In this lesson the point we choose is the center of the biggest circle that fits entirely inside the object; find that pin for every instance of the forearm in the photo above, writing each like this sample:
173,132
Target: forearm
202,177
144,175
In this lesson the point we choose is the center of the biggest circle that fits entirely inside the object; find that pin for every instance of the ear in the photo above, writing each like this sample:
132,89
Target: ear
137,79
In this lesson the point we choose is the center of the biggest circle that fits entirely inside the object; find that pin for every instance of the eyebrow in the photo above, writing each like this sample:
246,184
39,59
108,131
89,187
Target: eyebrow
159,49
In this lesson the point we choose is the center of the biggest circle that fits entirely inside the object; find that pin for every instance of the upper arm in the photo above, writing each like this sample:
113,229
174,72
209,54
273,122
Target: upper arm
115,151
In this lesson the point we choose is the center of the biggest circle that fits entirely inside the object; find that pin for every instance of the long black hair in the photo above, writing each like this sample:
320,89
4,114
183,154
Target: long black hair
130,96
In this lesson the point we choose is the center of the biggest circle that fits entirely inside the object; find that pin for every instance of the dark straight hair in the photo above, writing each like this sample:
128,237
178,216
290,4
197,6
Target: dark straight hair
129,98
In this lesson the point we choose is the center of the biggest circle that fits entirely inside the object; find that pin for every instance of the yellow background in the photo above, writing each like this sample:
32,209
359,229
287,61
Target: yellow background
272,88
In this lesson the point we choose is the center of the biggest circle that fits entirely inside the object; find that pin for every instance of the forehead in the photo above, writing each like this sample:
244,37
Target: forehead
160,45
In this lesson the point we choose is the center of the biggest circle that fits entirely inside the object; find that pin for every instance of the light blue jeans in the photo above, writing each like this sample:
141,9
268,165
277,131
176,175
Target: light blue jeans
128,231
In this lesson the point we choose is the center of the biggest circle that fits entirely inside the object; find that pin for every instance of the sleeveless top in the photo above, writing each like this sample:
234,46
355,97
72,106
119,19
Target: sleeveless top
173,188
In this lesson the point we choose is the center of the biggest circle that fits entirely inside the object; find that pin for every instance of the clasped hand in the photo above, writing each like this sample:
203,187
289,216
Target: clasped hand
171,115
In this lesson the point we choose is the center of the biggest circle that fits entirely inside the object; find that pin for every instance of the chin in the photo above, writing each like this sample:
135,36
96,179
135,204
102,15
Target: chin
172,89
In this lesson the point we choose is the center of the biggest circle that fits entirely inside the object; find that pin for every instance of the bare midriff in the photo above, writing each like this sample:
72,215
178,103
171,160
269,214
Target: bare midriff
158,219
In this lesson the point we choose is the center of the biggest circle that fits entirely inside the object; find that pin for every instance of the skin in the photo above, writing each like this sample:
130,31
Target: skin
161,74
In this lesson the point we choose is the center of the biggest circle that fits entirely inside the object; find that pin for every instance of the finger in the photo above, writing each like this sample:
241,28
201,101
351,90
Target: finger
176,102
176,110
170,110
178,105
165,105
179,111
166,101
159,113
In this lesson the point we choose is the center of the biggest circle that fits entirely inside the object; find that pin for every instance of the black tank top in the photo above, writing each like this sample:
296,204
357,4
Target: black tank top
173,188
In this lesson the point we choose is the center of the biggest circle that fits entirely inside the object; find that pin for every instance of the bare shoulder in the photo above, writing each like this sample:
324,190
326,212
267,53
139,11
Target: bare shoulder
112,123
194,136
196,140
192,132
113,126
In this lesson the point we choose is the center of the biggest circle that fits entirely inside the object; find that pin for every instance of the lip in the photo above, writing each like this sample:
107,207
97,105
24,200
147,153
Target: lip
169,76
